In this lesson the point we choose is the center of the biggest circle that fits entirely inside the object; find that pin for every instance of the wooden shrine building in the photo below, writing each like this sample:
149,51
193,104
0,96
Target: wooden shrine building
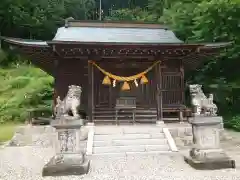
142,65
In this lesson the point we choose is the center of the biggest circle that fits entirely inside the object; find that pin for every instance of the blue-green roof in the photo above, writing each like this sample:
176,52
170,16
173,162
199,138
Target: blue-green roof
116,35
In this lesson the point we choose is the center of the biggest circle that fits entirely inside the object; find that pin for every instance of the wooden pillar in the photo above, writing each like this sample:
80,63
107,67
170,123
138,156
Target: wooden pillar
159,93
90,93
182,82
181,113
55,92
110,97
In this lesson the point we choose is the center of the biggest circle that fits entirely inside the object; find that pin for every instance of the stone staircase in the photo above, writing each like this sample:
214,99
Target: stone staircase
129,140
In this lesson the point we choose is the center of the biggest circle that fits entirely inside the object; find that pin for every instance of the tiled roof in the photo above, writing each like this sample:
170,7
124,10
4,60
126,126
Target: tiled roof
116,35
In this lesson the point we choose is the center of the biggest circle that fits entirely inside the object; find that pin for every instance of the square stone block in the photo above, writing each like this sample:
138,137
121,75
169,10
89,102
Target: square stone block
206,132
66,168
206,152
69,158
210,164
67,123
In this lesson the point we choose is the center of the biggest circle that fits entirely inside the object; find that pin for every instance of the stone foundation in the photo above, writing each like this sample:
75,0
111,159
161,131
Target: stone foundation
64,169
42,136
69,158
206,151
182,134
221,163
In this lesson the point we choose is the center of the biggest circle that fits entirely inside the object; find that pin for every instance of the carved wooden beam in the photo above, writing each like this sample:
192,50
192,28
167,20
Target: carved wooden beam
70,52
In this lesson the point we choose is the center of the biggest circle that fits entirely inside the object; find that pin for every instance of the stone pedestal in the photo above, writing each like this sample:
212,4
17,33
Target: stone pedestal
206,152
69,158
159,123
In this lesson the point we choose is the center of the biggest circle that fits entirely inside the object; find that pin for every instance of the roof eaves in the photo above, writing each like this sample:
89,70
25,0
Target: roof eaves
216,46
24,42
115,43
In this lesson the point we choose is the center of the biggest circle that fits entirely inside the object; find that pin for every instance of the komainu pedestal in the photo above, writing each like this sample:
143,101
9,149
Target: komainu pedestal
206,152
69,158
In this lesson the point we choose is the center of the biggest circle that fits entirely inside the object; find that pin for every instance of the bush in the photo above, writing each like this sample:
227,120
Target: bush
23,87
232,123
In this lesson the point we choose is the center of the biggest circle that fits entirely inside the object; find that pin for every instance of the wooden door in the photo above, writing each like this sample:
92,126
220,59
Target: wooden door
172,88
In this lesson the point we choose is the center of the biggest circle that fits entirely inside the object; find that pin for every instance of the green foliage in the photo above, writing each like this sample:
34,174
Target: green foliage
3,56
23,88
180,18
79,9
213,21
33,18
157,6
218,21
136,14
232,122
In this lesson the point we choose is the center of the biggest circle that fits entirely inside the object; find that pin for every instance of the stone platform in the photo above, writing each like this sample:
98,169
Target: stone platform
211,164
206,151
69,158
43,136
53,168
182,134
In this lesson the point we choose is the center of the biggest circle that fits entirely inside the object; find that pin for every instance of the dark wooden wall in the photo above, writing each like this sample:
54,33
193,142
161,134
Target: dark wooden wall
75,71
71,72
145,94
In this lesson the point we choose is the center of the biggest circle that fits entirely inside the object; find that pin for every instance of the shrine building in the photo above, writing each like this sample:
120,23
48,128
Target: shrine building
131,66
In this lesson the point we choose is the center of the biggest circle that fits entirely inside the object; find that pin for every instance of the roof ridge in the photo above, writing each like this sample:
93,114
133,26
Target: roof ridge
70,22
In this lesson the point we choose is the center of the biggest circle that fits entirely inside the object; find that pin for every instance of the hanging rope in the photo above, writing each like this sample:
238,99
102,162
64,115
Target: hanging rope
109,76
122,78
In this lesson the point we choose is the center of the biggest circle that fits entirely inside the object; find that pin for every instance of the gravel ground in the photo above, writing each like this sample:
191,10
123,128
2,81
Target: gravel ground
25,163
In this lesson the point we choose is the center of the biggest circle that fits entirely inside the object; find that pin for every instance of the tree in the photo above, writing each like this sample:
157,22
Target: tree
33,18
157,6
212,21
218,21
136,14
180,18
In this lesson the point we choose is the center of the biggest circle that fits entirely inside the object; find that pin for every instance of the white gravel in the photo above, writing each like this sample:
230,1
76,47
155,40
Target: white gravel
25,163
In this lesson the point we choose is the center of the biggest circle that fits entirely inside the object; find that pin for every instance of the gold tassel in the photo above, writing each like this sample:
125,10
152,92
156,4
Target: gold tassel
136,83
144,80
106,81
125,86
114,83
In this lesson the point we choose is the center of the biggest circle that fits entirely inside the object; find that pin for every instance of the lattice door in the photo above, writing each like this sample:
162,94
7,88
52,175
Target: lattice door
172,88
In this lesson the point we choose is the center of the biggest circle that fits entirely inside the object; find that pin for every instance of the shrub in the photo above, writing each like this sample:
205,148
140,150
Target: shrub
232,122
23,87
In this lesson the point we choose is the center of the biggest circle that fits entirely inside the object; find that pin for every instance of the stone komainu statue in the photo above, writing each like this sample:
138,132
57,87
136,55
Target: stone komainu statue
70,104
202,104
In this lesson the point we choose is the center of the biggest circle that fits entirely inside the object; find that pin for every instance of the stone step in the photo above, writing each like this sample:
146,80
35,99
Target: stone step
128,130
144,129
130,142
125,149
123,154
103,137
